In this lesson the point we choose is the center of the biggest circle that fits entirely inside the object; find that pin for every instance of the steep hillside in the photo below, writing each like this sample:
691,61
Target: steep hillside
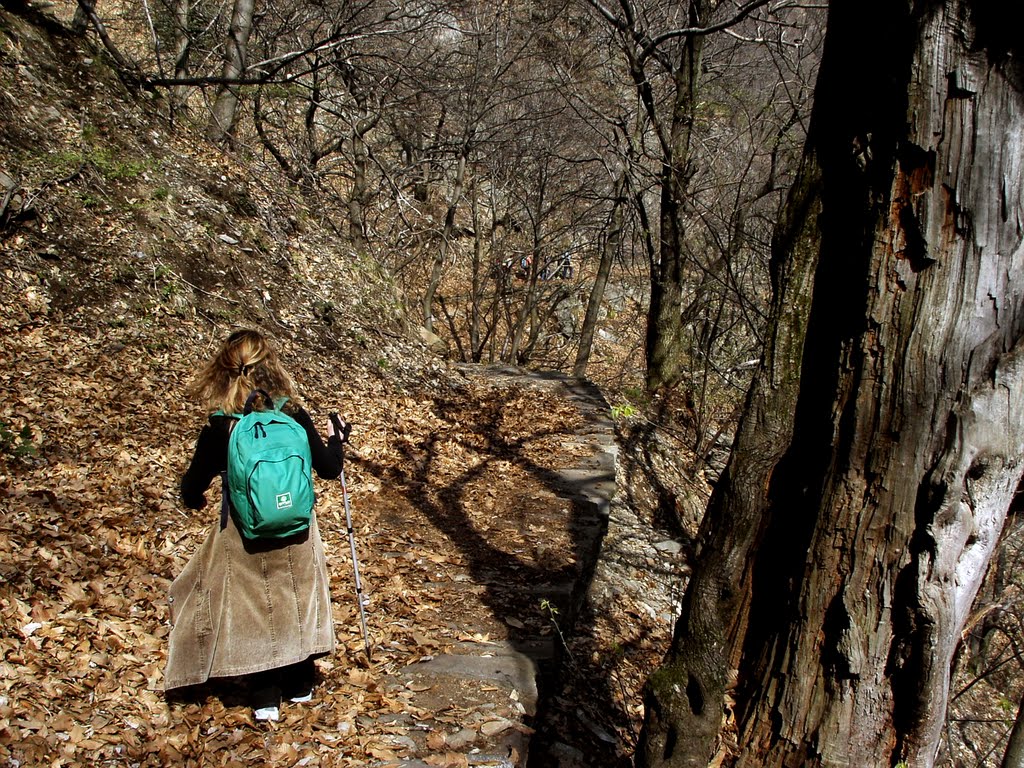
111,215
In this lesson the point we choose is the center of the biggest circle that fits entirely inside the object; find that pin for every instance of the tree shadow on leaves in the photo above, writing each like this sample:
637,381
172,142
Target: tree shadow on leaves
515,582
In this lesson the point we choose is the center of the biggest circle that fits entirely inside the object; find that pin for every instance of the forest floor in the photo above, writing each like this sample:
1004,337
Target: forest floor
444,491
128,249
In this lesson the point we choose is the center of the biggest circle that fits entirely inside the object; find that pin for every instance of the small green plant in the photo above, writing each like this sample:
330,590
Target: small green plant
16,444
383,363
102,159
105,161
65,161
635,394
552,611
623,411
158,346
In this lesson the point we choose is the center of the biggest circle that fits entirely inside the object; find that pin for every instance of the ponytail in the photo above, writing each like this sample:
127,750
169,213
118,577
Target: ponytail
245,362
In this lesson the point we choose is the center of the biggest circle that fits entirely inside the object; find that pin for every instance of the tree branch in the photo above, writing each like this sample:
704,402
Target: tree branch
125,65
735,19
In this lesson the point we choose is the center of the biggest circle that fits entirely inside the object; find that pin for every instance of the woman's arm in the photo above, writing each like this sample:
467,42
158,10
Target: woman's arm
326,458
208,461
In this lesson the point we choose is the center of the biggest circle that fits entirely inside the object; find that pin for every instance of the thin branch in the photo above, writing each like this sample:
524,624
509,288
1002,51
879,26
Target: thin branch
126,66
156,39
741,14
327,44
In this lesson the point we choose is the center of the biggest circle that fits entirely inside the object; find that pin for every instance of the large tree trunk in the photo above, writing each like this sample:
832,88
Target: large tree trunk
883,435
236,48
1014,755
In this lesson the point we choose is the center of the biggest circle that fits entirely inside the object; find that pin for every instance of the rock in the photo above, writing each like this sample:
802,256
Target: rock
506,667
434,342
403,741
460,739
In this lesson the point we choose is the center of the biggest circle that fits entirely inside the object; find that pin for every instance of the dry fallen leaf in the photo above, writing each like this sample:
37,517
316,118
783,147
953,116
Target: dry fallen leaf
448,760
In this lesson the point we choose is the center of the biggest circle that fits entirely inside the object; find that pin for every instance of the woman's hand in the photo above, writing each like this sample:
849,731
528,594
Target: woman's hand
337,426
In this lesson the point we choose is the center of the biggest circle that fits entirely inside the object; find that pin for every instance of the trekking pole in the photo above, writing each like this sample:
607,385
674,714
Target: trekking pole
343,429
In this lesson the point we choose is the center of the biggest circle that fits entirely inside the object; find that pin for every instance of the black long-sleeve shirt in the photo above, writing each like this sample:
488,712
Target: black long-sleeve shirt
211,456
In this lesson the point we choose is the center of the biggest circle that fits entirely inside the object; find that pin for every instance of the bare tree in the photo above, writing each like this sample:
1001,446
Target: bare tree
665,67
609,248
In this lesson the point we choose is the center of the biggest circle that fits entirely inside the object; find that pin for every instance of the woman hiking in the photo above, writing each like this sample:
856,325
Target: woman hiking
253,607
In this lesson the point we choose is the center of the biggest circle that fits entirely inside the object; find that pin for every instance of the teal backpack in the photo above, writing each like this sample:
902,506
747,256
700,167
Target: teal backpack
270,472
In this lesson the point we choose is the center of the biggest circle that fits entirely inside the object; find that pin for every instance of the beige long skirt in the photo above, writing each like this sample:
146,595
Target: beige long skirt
239,608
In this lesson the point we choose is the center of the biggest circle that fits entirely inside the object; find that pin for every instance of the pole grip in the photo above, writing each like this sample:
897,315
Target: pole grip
342,428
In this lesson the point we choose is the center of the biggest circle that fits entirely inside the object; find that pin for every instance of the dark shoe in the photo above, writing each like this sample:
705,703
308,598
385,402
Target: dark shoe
297,681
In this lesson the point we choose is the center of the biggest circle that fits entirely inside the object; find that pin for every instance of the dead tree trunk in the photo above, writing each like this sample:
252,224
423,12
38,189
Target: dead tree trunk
883,436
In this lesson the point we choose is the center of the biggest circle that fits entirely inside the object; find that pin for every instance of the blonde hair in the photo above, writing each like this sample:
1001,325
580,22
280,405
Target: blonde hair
245,362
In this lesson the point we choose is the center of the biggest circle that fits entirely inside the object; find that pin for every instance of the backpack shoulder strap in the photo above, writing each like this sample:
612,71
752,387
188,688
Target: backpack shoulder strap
250,401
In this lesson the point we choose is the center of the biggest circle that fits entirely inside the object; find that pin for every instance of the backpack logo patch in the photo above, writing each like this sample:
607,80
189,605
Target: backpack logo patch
284,500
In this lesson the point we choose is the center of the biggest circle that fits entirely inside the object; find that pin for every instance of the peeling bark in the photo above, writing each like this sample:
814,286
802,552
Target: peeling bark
848,538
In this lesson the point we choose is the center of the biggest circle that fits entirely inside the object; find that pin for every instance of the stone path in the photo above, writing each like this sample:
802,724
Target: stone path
482,696
497,682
